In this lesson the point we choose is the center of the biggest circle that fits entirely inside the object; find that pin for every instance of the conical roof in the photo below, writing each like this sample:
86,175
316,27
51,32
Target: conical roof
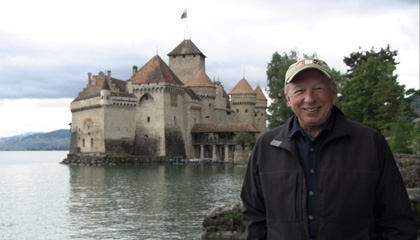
155,70
200,79
242,87
105,86
260,94
186,47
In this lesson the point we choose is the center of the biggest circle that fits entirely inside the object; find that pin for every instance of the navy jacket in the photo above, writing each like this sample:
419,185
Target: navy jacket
361,194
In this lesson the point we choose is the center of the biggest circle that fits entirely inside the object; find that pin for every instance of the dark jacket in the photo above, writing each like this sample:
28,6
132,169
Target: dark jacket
361,194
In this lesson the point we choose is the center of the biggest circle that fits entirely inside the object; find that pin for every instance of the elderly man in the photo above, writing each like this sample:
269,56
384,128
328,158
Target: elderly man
322,176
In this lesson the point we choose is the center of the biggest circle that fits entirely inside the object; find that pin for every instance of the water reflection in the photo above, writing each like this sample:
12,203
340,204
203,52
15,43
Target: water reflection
148,201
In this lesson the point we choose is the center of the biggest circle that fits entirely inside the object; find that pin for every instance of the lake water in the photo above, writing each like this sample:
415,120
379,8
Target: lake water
42,199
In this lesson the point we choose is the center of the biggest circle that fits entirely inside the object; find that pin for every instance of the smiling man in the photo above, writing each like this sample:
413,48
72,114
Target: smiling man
321,176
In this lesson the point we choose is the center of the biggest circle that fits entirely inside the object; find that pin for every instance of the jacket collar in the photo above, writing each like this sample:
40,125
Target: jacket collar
340,129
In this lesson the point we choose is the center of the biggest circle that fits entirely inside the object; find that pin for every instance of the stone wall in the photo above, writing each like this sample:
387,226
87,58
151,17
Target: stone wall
96,159
241,155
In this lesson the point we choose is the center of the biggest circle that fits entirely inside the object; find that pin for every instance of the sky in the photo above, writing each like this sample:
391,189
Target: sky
47,47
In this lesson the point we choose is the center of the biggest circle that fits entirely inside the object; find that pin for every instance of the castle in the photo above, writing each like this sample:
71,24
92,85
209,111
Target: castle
173,111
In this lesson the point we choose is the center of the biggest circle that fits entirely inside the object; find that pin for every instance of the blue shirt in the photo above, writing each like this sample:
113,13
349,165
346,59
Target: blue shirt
308,148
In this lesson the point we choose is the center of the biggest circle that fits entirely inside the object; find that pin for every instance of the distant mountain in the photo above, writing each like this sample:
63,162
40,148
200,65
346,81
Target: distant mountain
55,140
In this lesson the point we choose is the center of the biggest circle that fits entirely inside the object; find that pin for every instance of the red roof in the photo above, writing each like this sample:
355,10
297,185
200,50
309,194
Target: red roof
155,70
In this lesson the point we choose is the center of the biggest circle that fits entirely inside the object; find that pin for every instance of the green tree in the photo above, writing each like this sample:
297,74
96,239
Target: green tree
244,138
415,137
401,139
371,93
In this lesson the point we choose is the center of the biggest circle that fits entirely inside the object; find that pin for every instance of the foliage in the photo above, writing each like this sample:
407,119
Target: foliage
415,137
371,93
400,138
243,139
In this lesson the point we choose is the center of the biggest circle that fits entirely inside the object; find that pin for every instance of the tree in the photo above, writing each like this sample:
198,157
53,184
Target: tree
276,71
244,138
371,93
400,140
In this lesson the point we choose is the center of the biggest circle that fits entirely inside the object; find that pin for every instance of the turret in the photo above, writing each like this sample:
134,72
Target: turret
105,93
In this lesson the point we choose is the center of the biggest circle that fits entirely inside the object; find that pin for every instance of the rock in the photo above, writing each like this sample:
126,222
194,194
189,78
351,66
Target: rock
224,222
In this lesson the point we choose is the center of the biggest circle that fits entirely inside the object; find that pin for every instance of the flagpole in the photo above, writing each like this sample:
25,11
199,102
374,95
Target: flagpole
184,15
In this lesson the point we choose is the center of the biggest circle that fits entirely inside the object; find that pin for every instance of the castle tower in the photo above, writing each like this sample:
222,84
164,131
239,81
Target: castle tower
260,111
105,93
185,60
201,84
160,129
243,99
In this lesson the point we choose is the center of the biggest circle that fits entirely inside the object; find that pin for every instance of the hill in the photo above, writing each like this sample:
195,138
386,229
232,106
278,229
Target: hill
55,140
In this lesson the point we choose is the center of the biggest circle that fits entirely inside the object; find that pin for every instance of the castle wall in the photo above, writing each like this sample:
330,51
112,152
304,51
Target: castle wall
87,127
174,110
223,116
220,101
119,131
192,116
185,66
244,107
207,95
260,121
150,125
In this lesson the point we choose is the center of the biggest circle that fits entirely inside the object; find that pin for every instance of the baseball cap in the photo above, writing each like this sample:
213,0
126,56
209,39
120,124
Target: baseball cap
304,64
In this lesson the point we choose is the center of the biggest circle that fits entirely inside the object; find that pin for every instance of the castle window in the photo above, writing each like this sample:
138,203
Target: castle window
83,142
262,114
148,119
255,114
174,57
174,99
91,142
183,56
194,55
246,110
175,120
237,110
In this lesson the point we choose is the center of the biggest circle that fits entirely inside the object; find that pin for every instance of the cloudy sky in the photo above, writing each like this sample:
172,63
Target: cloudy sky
47,47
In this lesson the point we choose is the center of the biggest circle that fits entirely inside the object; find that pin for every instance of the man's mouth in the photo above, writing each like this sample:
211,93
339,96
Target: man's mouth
311,109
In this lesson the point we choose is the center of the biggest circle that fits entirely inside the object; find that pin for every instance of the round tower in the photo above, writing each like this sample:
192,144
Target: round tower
243,99
105,93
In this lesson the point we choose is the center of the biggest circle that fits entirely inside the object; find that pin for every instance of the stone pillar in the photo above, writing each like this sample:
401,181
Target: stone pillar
226,153
201,152
213,154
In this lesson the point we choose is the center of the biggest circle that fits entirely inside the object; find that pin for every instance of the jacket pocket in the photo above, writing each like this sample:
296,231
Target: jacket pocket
281,193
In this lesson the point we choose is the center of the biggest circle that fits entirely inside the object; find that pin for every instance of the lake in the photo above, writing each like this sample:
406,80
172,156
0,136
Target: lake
42,199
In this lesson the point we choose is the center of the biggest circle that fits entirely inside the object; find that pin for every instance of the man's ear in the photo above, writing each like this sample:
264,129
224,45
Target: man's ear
287,98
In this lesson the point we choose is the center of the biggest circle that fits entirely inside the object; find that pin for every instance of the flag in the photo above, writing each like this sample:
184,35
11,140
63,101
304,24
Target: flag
184,14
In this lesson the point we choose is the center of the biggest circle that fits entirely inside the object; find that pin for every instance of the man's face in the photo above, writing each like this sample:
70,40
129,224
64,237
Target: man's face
311,96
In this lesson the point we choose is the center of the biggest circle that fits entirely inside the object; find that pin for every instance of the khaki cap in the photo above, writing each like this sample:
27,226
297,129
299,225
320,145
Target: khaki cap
298,67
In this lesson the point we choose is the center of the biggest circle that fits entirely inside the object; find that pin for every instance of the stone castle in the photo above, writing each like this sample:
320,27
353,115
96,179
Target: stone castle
173,111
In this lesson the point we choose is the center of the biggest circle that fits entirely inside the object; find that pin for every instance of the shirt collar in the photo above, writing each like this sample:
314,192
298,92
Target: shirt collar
296,128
